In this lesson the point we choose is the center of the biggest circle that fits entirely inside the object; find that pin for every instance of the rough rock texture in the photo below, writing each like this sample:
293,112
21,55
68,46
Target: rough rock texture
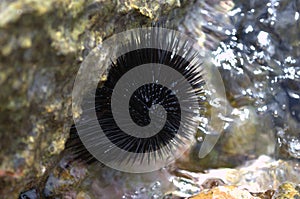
42,46
228,192
263,178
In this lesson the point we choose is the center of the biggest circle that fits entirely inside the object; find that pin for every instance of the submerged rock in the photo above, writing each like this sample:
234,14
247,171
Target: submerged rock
257,176
228,192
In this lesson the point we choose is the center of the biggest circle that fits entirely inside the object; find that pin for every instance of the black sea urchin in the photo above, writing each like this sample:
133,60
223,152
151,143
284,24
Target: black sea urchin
147,106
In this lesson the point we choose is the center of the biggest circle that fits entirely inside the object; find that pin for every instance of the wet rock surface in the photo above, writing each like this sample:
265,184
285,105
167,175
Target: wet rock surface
42,46
254,44
229,192
263,175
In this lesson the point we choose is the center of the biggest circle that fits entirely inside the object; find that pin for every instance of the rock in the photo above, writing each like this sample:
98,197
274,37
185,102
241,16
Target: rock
228,192
288,190
260,176
247,135
30,194
42,46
